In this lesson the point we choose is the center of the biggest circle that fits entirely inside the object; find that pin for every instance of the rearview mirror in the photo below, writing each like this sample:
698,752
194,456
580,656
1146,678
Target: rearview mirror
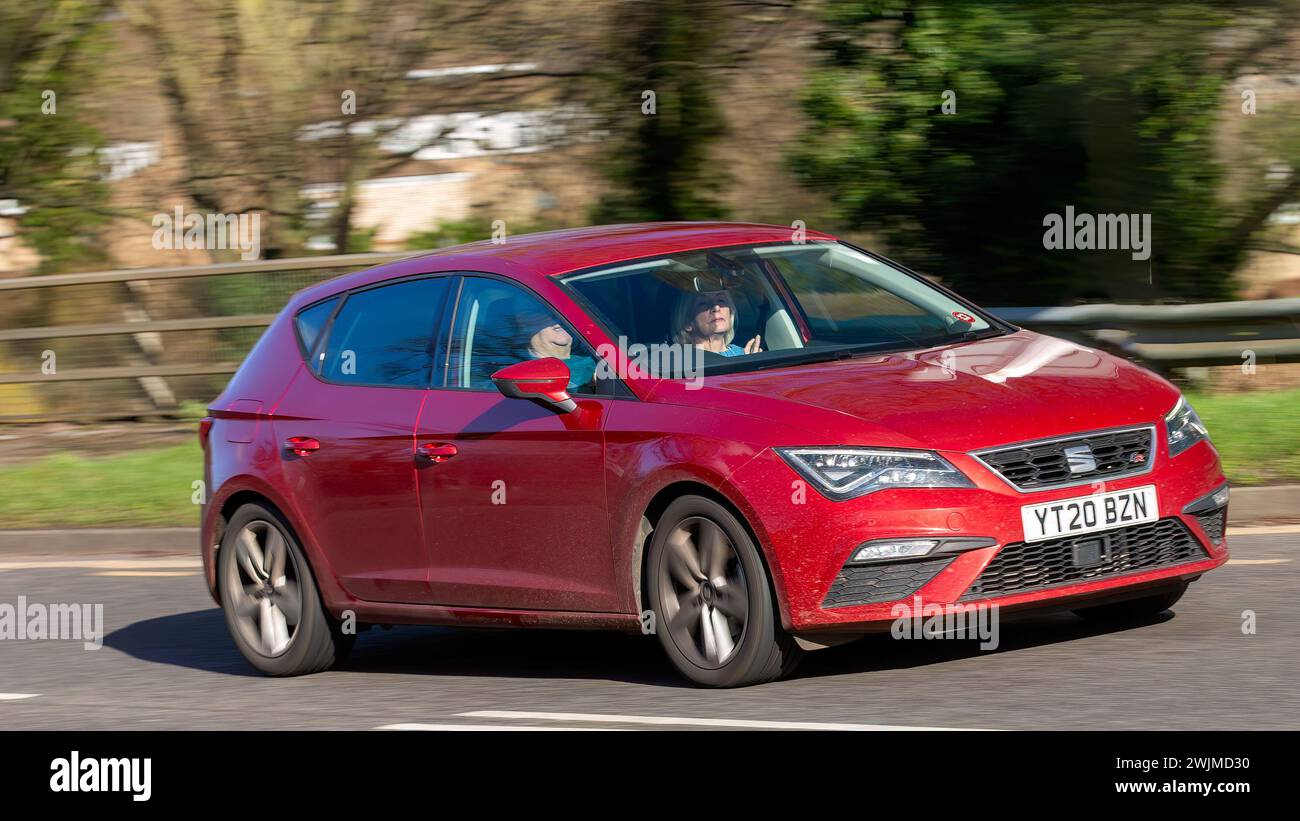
545,381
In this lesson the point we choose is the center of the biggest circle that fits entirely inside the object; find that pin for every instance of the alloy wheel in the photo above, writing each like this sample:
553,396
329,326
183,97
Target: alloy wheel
264,588
704,591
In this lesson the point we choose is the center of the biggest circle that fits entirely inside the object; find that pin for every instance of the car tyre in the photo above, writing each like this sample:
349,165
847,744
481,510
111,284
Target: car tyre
715,611
270,599
1134,609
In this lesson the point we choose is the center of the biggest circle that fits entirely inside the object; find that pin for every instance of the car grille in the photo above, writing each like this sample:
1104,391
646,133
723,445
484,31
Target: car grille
1036,466
1023,566
876,583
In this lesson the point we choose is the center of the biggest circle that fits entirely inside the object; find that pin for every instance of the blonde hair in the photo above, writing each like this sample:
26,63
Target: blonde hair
684,315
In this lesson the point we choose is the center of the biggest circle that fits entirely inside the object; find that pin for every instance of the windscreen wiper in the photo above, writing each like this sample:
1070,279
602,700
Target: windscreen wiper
971,336
802,357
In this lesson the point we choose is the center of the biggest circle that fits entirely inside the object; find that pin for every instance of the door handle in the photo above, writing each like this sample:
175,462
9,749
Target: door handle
301,445
437,451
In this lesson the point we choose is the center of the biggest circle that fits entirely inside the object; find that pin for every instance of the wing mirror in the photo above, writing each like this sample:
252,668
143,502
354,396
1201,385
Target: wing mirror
545,381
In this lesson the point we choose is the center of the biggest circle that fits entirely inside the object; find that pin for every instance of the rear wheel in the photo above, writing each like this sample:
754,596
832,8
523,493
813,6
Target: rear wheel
1134,609
269,597
715,613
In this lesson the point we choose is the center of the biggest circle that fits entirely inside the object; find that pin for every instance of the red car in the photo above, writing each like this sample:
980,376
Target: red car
747,441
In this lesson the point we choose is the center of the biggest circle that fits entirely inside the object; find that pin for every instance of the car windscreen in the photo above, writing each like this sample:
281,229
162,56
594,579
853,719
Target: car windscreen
742,308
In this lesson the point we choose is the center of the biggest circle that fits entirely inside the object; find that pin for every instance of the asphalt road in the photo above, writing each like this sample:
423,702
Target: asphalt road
168,662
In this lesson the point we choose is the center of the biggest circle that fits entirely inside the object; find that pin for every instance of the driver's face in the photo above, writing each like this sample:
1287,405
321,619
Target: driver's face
555,335
712,315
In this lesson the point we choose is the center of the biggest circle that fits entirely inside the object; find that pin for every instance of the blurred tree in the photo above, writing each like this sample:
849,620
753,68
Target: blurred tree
48,153
477,228
954,129
666,65
660,75
278,98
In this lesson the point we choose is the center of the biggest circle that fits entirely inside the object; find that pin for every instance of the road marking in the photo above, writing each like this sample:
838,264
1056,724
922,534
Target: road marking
1260,530
1258,561
146,573
691,722
17,696
100,564
496,727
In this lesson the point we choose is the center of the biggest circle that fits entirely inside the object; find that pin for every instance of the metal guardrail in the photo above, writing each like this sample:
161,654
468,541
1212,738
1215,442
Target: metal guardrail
216,269
134,371
128,313
1177,336
143,326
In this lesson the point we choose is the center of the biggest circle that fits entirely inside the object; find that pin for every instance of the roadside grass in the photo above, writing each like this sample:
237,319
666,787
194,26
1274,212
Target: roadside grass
1257,434
149,488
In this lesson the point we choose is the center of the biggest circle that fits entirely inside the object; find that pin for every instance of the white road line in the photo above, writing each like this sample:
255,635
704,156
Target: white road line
1260,530
149,573
17,696
100,564
490,727
1258,561
690,722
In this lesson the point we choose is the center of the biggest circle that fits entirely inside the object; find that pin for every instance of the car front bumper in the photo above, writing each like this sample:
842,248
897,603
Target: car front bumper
809,539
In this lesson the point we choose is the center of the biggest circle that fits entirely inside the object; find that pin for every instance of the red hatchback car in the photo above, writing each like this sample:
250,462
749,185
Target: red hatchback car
748,442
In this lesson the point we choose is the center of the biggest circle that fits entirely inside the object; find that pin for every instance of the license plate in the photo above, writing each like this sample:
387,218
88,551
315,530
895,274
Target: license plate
1089,514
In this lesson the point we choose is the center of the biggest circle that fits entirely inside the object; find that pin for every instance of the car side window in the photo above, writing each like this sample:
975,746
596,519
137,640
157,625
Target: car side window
384,336
310,322
499,324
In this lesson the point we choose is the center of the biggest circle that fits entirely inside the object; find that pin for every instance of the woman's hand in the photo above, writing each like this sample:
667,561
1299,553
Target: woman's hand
754,345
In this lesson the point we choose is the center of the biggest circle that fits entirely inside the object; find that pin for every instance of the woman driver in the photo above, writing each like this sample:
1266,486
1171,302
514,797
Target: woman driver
708,321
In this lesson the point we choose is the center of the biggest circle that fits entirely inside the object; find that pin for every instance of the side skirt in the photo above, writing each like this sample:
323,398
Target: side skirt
391,613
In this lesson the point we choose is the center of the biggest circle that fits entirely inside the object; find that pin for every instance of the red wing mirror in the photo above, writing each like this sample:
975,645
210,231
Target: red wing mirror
543,380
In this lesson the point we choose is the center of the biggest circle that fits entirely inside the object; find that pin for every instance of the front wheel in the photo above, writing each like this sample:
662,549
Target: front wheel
269,597
716,616
1134,609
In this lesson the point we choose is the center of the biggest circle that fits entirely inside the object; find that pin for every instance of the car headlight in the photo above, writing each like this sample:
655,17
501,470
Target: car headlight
1185,428
846,473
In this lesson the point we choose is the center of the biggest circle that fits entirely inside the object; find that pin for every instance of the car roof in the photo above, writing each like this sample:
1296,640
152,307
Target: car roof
552,253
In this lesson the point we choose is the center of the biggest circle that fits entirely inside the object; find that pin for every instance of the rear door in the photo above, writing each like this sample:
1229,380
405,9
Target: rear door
354,408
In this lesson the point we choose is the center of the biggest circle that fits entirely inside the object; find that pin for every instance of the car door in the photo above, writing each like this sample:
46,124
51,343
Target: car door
513,493
353,410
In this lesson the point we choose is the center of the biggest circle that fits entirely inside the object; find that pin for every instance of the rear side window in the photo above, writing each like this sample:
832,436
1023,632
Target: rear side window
310,322
384,336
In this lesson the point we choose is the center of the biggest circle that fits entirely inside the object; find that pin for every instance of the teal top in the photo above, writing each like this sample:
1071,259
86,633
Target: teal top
582,370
